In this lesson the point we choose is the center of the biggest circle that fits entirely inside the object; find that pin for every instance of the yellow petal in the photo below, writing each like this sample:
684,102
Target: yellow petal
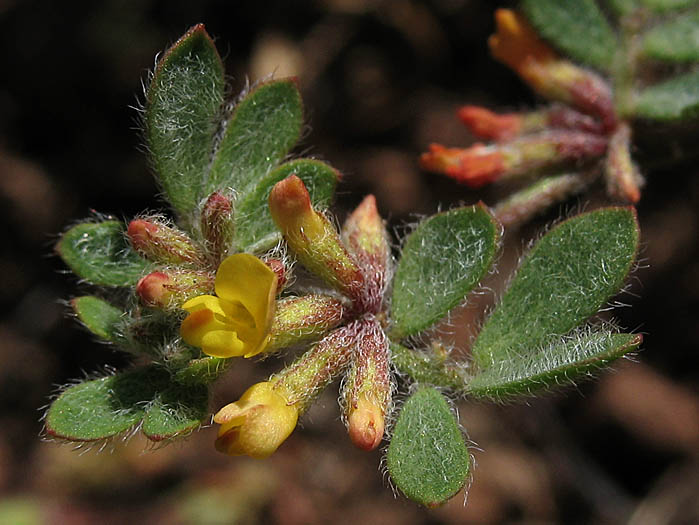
222,343
197,324
201,302
256,424
244,279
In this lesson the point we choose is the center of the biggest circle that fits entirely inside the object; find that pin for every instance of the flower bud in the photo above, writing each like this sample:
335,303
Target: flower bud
486,124
304,319
306,377
171,289
481,164
506,126
366,424
516,44
163,244
313,238
258,423
476,166
367,389
365,236
623,179
217,225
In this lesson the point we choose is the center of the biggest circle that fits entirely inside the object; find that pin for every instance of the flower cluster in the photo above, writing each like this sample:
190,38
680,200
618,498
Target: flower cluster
580,129
346,326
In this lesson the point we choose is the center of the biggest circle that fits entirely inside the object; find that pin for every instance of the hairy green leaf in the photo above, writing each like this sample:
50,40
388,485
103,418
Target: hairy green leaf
566,277
103,407
255,230
674,41
175,412
674,99
577,27
442,261
99,253
427,458
264,126
182,111
98,316
560,362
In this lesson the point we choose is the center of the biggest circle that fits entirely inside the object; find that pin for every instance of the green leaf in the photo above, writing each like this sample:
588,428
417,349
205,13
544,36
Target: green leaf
674,41
182,111
264,126
442,261
177,411
100,317
667,5
577,27
566,277
103,407
674,99
427,458
255,229
99,253
560,362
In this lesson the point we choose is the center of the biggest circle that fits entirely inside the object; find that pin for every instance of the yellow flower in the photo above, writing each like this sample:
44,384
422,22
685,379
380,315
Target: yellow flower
237,320
256,424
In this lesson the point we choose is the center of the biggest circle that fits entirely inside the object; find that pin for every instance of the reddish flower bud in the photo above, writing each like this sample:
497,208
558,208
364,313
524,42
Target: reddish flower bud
367,389
217,225
480,164
485,124
476,166
151,289
163,244
517,45
366,238
313,238
171,289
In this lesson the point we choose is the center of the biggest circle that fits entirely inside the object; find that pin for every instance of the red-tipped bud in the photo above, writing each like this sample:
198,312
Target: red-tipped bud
217,225
624,182
367,389
152,289
516,44
366,424
365,236
476,166
479,164
163,244
485,124
173,288
278,267
313,238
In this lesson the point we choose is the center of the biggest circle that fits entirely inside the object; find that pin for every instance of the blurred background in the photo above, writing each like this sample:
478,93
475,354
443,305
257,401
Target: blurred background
380,81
